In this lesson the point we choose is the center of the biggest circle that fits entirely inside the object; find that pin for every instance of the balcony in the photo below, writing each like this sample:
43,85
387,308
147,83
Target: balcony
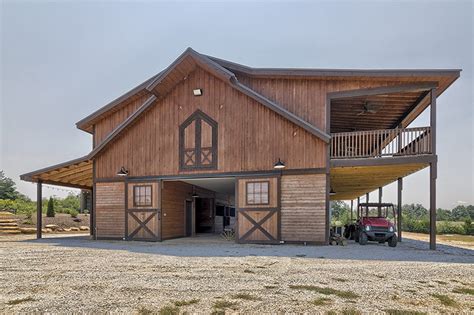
398,142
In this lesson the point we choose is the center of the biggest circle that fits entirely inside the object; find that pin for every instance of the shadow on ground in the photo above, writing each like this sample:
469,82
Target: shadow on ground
213,246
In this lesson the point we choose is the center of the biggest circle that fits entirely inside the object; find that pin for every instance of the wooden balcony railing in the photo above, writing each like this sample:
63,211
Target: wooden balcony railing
381,143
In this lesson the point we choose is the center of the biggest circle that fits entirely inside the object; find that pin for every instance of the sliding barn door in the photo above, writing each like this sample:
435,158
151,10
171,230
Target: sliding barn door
143,213
258,210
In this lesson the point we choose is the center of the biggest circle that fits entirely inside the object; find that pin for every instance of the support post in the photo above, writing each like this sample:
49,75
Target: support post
367,197
39,208
399,208
358,202
433,171
352,209
380,201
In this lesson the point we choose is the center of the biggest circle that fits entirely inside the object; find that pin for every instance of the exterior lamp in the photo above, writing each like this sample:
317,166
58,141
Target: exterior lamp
123,171
279,165
194,195
197,92
332,192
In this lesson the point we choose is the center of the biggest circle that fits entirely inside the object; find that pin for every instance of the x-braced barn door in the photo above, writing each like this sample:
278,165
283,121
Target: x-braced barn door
258,213
143,211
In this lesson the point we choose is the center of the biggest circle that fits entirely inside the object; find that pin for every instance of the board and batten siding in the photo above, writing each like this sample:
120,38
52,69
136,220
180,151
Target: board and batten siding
303,208
110,209
251,137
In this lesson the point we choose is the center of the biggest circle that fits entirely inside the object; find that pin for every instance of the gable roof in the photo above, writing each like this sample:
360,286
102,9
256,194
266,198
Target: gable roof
159,85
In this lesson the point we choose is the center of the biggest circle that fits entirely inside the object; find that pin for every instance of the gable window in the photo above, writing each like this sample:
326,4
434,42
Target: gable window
142,196
198,142
257,193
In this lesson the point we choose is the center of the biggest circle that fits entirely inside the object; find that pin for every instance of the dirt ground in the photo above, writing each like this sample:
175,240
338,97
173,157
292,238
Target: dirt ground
464,241
208,275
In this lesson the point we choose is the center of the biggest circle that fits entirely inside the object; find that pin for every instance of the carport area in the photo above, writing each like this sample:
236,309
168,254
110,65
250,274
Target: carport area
76,173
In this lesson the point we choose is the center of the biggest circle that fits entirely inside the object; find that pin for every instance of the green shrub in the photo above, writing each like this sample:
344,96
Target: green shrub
73,213
17,206
468,227
447,227
50,213
417,226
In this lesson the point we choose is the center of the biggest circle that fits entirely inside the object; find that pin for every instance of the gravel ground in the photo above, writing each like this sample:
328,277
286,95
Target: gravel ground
74,274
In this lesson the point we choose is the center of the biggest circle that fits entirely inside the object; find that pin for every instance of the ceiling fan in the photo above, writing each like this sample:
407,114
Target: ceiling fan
369,109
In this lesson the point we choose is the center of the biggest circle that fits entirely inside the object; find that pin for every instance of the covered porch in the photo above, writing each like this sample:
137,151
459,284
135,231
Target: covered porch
372,144
77,173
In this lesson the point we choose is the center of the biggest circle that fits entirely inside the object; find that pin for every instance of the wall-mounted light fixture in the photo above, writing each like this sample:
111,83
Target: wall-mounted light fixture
197,92
122,172
332,192
279,165
194,195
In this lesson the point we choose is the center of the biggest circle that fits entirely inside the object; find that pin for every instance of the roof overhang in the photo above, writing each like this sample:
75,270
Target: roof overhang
76,173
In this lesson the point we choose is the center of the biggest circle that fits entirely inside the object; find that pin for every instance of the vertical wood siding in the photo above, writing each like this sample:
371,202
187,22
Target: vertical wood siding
110,209
250,138
303,208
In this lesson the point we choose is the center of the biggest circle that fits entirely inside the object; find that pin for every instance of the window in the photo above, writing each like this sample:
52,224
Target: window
257,193
142,196
198,142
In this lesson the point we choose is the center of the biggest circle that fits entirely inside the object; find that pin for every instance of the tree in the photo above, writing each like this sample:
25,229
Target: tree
7,188
415,211
443,215
50,212
460,213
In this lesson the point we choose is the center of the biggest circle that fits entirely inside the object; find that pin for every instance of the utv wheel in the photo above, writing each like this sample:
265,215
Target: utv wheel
392,242
363,239
356,237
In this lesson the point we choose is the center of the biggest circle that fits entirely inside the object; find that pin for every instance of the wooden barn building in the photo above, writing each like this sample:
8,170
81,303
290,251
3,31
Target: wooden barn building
209,145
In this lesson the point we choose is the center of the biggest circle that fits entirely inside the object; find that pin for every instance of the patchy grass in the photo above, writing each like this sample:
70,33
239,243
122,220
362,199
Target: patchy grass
391,311
350,311
222,304
321,301
184,303
145,311
218,312
441,282
326,291
445,300
248,271
18,301
331,312
168,310
464,291
340,279
246,296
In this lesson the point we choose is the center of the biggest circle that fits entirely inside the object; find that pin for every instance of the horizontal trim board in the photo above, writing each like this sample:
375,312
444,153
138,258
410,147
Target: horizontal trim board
384,161
214,175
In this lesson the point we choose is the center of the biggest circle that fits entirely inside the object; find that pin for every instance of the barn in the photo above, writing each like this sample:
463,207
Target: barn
208,145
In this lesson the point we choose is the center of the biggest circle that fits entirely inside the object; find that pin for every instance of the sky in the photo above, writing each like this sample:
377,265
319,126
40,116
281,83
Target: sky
62,60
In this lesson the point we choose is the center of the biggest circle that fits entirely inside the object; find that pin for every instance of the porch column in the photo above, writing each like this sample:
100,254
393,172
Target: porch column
367,197
399,209
380,201
39,208
433,171
358,202
352,209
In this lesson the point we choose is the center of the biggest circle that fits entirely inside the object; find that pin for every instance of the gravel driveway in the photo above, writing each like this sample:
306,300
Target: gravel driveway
206,274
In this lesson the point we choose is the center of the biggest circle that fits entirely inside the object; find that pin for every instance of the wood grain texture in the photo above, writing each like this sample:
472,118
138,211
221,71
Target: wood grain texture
251,137
303,208
110,209
352,182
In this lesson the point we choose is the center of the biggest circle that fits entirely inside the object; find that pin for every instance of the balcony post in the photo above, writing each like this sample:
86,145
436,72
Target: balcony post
433,171
39,208
399,209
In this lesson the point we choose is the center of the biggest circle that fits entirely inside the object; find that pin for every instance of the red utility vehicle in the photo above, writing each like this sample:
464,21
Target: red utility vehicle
373,224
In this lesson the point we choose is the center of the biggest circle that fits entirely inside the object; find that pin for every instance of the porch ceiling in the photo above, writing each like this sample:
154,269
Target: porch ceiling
350,182
75,173
370,112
